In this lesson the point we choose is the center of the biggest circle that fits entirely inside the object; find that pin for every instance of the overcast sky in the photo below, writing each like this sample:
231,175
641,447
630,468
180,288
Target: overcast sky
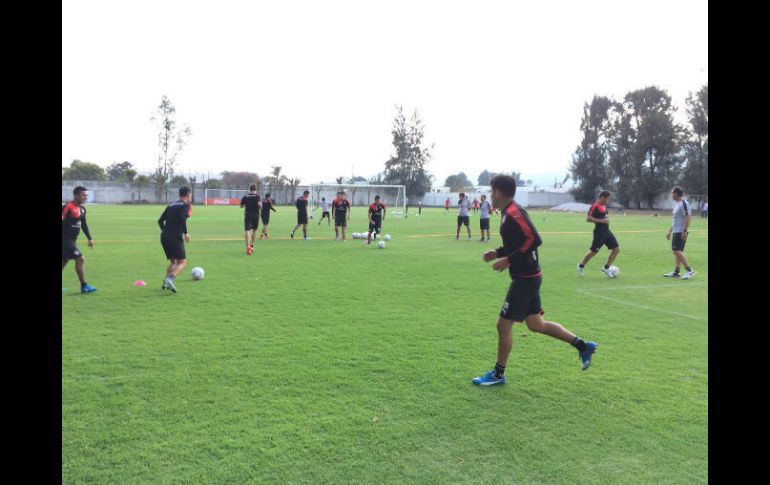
311,85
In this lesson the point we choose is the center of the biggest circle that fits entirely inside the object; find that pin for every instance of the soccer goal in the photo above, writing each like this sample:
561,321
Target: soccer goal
223,196
393,196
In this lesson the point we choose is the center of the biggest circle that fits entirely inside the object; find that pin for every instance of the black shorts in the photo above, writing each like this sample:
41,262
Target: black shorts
464,220
325,214
603,239
250,222
69,250
301,218
340,219
173,246
375,226
265,218
677,243
484,224
523,299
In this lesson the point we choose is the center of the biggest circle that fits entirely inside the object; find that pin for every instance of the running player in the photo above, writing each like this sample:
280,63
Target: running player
600,216
519,256
325,204
251,203
267,206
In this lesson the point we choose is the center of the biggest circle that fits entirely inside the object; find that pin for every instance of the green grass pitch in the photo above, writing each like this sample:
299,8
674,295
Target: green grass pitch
315,362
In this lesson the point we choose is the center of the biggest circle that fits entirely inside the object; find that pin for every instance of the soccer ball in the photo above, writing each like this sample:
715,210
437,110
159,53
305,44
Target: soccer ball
614,271
311,216
354,235
387,237
197,273
381,244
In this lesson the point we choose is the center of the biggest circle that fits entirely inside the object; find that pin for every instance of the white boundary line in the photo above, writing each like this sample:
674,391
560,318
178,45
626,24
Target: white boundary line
639,305
643,287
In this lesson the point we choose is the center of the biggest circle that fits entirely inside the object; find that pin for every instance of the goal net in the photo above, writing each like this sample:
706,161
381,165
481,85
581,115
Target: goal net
223,196
393,196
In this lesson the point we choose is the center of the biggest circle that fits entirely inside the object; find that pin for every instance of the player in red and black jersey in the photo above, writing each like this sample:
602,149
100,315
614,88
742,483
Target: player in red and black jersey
520,257
173,235
599,215
341,213
251,203
301,204
376,216
73,219
267,206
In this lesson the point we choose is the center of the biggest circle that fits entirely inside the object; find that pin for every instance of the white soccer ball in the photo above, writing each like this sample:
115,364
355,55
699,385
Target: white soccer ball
197,273
387,237
381,244
614,271
355,235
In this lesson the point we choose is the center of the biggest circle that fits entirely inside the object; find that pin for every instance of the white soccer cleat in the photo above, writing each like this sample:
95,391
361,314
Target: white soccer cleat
688,275
581,271
608,272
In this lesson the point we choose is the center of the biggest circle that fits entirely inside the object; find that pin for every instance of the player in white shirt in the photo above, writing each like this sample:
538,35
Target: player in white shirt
463,215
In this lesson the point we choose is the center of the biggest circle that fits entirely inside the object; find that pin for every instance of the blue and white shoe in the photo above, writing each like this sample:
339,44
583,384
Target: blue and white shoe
87,289
585,357
488,379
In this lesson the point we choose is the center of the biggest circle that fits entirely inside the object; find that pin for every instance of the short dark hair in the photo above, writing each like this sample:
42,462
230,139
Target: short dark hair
184,191
678,190
505,184
78,190
376,197
605,193
307,192
462,194
323,198
267,195
252,187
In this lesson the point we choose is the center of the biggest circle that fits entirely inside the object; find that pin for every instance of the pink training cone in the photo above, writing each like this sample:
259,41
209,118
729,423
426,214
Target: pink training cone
140,283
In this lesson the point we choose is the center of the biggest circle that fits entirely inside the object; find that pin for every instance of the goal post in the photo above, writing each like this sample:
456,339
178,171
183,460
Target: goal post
360,195
223,196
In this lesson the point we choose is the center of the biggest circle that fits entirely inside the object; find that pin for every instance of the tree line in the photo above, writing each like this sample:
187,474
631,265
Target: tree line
635,148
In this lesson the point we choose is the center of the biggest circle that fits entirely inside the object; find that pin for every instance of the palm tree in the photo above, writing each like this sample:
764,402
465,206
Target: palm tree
276,181
293,183
141,182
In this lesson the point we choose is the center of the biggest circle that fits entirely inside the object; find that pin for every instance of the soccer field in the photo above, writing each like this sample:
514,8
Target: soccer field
315,362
